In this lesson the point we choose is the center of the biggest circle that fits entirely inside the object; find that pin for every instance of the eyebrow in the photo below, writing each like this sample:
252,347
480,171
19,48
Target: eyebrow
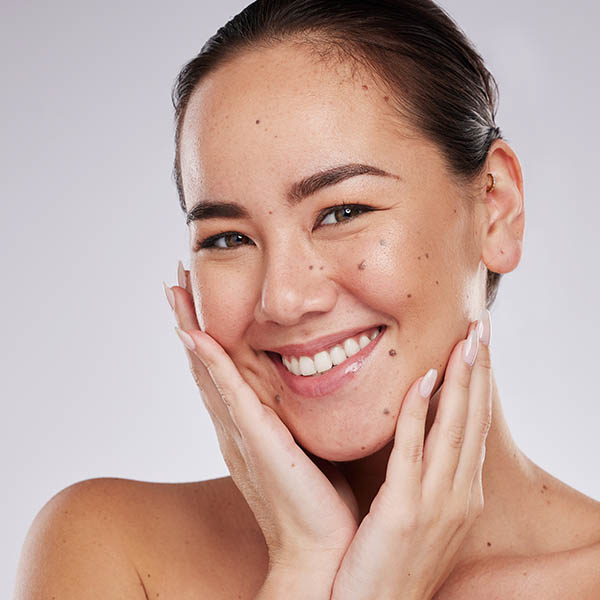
210,209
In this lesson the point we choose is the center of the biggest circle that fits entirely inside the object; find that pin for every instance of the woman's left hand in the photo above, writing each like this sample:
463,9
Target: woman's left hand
406,545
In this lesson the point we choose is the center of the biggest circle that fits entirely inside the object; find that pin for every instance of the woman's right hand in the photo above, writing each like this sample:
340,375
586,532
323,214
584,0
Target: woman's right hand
308,519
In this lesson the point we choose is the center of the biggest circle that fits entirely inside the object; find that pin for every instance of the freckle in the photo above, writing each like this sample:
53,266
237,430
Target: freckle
278,398
382,243
311,267
293,465
548,502
489,543
257,121
419,257
454,211
362,266
148,574
386,98
437,282
321,268
364,87
426,255
363,447
524,572
409,295
386,411
544,486
392,352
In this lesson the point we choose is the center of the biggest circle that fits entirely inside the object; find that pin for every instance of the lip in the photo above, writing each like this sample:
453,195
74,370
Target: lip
330,381
322,343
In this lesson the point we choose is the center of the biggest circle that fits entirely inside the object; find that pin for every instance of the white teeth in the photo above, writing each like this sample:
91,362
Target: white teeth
326,359
295,366
307,366
338,355
323,361
351,347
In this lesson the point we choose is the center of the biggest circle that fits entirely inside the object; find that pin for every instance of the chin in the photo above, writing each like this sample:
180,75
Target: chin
344,448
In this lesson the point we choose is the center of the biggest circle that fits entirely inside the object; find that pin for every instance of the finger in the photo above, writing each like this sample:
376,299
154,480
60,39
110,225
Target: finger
181,276
404,469
480,415
185,315
446,436
236,394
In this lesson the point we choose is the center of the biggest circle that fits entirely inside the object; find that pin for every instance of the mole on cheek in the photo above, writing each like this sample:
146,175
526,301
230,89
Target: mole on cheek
362,266
278,398
392,352
409,295
386,411
311,267
257,121
382,243
321,268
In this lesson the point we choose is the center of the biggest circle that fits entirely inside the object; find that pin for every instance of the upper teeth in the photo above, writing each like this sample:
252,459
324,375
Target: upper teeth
326,359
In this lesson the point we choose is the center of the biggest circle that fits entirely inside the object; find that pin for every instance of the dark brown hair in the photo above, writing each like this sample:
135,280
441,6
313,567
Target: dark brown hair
436,78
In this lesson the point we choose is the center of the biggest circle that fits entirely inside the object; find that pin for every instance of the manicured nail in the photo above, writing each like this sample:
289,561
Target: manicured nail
186,338
170,295
427,382
181,275
471,347
486,327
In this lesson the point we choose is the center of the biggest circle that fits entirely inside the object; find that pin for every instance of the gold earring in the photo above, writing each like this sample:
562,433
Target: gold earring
493,184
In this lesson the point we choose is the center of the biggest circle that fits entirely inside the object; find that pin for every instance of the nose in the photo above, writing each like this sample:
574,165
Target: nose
295,283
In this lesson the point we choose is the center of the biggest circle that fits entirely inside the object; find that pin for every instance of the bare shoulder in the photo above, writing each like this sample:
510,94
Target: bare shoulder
560,561
154,539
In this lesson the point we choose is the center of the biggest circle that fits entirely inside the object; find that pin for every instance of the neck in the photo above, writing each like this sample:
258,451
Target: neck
507,476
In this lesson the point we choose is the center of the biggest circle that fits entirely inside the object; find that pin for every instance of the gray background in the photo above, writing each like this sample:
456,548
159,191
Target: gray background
94,381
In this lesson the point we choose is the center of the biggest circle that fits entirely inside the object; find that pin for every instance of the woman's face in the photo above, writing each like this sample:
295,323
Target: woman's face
297,267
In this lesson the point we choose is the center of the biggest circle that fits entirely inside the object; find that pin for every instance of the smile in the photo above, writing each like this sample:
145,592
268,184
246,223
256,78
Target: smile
329,369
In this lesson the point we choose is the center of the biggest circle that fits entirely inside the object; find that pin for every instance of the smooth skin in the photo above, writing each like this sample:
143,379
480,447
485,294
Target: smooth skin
255,126
417,521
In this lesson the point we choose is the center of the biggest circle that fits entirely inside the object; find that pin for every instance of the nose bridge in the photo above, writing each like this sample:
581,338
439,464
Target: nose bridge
294,283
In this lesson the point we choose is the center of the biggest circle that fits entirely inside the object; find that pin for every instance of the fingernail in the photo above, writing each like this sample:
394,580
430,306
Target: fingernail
181,275
170,295
471,347
427,382
186,338
485,334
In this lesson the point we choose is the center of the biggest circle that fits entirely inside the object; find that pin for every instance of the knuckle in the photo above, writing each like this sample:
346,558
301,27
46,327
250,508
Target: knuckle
485,422
413,451
455,434
484,360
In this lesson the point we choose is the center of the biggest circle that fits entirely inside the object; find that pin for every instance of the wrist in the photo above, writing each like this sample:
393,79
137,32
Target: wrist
301,582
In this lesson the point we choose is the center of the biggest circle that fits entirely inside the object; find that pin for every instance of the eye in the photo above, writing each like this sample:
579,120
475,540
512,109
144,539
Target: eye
224,241
336,215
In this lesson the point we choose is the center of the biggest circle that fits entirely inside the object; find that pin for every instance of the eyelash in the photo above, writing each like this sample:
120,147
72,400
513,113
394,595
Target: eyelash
208,243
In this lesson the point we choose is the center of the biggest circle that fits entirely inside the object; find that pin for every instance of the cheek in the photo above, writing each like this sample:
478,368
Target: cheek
224,300
391,271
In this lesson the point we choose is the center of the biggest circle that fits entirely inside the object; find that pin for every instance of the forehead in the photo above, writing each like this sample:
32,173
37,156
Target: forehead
273,115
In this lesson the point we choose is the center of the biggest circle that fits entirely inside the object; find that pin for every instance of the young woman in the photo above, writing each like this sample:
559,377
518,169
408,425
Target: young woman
352,206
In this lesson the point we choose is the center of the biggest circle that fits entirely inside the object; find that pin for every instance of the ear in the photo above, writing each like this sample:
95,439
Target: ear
504,220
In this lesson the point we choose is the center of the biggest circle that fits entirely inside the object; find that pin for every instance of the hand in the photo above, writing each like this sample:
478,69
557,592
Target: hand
305,520
405,546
